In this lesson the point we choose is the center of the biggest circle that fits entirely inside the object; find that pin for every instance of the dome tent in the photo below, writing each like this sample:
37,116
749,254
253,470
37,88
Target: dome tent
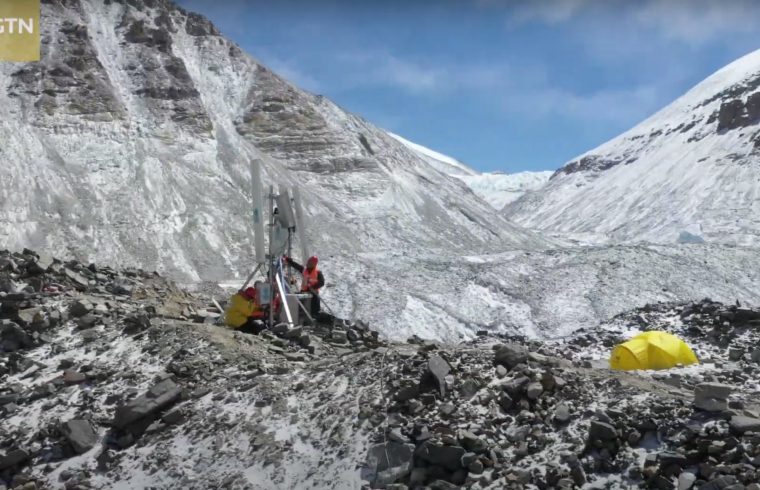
652,350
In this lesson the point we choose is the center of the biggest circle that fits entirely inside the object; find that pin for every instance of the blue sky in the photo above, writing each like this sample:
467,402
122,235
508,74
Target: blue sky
505,85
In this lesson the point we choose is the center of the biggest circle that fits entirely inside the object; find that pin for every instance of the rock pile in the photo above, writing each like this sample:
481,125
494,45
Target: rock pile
119,376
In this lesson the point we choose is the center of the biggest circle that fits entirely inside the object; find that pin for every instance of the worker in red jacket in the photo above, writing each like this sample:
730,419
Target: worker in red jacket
311,282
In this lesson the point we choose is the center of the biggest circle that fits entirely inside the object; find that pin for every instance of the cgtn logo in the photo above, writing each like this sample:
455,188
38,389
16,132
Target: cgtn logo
19,30
11,25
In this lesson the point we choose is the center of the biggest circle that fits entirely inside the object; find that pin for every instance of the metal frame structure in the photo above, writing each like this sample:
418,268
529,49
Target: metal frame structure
290,213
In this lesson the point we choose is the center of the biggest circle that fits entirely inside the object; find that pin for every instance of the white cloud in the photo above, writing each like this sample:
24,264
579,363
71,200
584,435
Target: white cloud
289,71
692,22
619,106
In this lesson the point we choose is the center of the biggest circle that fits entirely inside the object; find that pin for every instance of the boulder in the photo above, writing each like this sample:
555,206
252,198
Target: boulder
562,413
472,443
154,400
79,281
686,481
135,323
534,390
72,377
80,308
339,337
407,391
510,355
13,457
389,462
448,457
30,316
438,369
755,356
602,431
712,397
13,337
740,424
80,435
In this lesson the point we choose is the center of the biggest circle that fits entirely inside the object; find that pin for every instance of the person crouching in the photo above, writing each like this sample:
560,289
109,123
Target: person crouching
244,313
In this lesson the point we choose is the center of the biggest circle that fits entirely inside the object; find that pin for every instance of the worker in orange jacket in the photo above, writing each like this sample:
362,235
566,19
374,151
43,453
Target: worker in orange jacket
311,281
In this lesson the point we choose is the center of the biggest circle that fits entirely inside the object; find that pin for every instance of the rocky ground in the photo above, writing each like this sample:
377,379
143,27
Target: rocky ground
119,379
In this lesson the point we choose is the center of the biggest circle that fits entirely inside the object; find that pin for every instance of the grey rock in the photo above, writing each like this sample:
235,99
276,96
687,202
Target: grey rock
438,369
294,333
408,391
443,485
602,431
501,371
449,457
720,483
510,355
80,435
135,323
30,316
389,462
418,476
669,458
472,442
80,308
13,457
13,337
469,388
173,417
505,401
80,282
735,353
534,390
740,424
395,435
562,413
73,377
157,398
712,397
686,480
476,467
280,329
8,408
447,409
755,356
514,386
339,337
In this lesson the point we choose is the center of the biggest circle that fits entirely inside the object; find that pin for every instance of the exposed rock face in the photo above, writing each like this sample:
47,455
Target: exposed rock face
131,140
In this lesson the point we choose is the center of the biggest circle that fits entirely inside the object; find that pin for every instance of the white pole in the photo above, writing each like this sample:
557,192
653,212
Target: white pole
258,211
300,224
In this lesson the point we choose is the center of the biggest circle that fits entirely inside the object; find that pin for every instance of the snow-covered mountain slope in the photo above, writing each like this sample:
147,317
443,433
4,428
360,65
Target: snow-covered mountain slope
694,166
496,188
542,294
499,189
130,142
439,161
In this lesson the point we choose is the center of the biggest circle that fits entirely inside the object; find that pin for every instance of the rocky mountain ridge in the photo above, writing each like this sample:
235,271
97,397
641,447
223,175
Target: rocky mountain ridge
693,166
131,140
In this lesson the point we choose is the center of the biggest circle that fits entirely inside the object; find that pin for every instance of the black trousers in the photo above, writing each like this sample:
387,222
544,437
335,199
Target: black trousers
252,326
315,305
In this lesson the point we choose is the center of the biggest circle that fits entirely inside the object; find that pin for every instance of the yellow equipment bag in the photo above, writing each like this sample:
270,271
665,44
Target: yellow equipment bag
652,350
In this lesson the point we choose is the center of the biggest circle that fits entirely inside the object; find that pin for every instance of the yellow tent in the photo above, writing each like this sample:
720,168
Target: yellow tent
652,350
